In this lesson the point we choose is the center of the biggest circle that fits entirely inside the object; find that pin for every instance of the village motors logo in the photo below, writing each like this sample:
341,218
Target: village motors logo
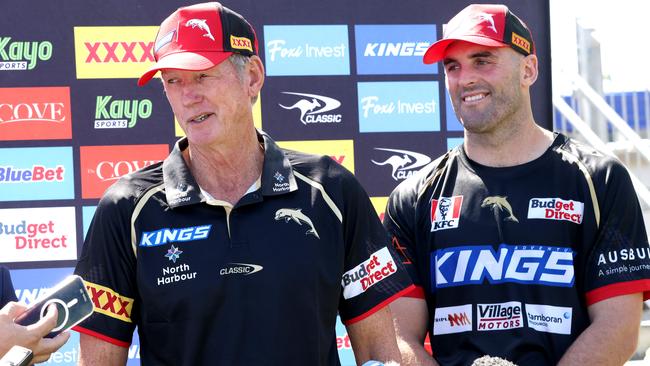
313,108
403,163
23,55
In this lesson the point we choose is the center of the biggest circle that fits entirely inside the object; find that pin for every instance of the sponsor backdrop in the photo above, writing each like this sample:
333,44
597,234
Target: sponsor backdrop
343,79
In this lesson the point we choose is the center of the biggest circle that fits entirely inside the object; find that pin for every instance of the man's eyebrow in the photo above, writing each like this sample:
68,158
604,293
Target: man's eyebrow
449,60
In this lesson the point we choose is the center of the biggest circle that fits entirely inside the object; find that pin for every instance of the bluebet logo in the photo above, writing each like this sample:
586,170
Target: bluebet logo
115,113
527,264
408,106
394,49
175,235
306,50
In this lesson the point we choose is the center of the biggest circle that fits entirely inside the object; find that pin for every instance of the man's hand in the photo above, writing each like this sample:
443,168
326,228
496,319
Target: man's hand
30,336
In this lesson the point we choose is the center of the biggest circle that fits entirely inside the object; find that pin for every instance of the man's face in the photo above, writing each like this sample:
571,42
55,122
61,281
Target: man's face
484,85
210,105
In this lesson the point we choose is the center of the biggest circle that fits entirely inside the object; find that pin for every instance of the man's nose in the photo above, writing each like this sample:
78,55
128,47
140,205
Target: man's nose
191,94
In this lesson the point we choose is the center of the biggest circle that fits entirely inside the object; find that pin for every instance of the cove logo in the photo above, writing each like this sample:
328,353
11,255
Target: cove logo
393,49
306,50
410,106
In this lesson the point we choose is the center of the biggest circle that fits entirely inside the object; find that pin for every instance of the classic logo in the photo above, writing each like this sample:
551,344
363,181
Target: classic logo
367,274
501,316
549,319
452,319
393,48
312,108
39,113
403,162
245,269
101,166
113,52
296,215
306,50
556,209
23,55
40,173
38,234
120,113
445,212
109,302
536,264
174,235
498,204
398,106
202,25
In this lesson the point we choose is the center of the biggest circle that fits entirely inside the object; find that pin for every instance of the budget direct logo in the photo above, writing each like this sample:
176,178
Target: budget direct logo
118,113
341,151
38,234
375,269
42,173
398,106
306,50
556,209
402,163
35,113
452,319
549,319
501,316
102,166
113,52
313,108
393,49
23,55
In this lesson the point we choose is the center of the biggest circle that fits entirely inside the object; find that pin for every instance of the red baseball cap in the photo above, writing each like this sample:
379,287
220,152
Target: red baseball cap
199,37
487,25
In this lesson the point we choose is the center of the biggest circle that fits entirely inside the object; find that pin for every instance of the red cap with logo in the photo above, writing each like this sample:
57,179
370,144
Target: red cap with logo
199,37
487,25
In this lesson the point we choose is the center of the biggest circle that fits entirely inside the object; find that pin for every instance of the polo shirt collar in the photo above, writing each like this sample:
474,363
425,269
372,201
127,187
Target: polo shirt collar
182,189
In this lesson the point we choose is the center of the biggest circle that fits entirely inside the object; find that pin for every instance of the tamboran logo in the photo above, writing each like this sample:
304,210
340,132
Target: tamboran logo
540,265
445,212
367,274
41,113
452,319
312,108
175,235
549,319
403,162
506,315
556,209
120,113
240,269
19,55
109,302
38,173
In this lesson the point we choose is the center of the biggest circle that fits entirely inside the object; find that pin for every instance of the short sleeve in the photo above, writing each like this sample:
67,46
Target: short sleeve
373,276
107,265
619,262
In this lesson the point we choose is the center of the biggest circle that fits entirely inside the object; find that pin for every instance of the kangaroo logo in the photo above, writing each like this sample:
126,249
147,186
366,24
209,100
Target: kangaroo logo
403,163
312,104
500,203
202,25
296,215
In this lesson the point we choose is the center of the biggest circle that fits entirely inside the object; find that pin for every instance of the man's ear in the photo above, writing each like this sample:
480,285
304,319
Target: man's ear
529,70
255,75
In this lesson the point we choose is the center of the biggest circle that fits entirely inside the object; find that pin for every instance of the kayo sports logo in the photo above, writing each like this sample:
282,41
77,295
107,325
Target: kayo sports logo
23,55
167,235
120,113
528,264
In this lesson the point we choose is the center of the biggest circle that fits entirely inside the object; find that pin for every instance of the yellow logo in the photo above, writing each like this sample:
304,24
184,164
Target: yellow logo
520,42
342,151
109,302
113,52
241,43
379,203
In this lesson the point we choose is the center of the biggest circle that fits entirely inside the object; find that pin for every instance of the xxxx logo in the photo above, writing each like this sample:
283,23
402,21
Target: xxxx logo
119,52
110,303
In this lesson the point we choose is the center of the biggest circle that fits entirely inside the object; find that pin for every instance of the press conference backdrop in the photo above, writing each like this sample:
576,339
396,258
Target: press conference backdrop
344,78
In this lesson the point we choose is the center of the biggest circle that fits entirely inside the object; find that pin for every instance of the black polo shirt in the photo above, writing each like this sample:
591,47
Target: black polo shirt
259,283
509,259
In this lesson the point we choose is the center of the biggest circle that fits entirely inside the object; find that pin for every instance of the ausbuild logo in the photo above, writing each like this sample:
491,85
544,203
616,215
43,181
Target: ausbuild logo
23,55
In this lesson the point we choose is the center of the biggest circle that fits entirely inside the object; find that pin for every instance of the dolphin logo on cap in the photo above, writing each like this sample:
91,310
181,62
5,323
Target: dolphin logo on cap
201,24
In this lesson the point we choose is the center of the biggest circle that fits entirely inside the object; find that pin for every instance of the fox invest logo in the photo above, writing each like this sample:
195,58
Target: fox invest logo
313,108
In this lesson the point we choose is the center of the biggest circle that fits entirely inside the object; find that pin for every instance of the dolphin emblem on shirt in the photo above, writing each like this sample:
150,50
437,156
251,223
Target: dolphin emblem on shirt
296,215
500,203
202,25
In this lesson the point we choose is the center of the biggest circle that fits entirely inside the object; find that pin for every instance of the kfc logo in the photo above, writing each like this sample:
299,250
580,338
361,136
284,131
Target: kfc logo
445,212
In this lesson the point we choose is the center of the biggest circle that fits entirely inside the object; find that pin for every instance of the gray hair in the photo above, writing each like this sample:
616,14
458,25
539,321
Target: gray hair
240,62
